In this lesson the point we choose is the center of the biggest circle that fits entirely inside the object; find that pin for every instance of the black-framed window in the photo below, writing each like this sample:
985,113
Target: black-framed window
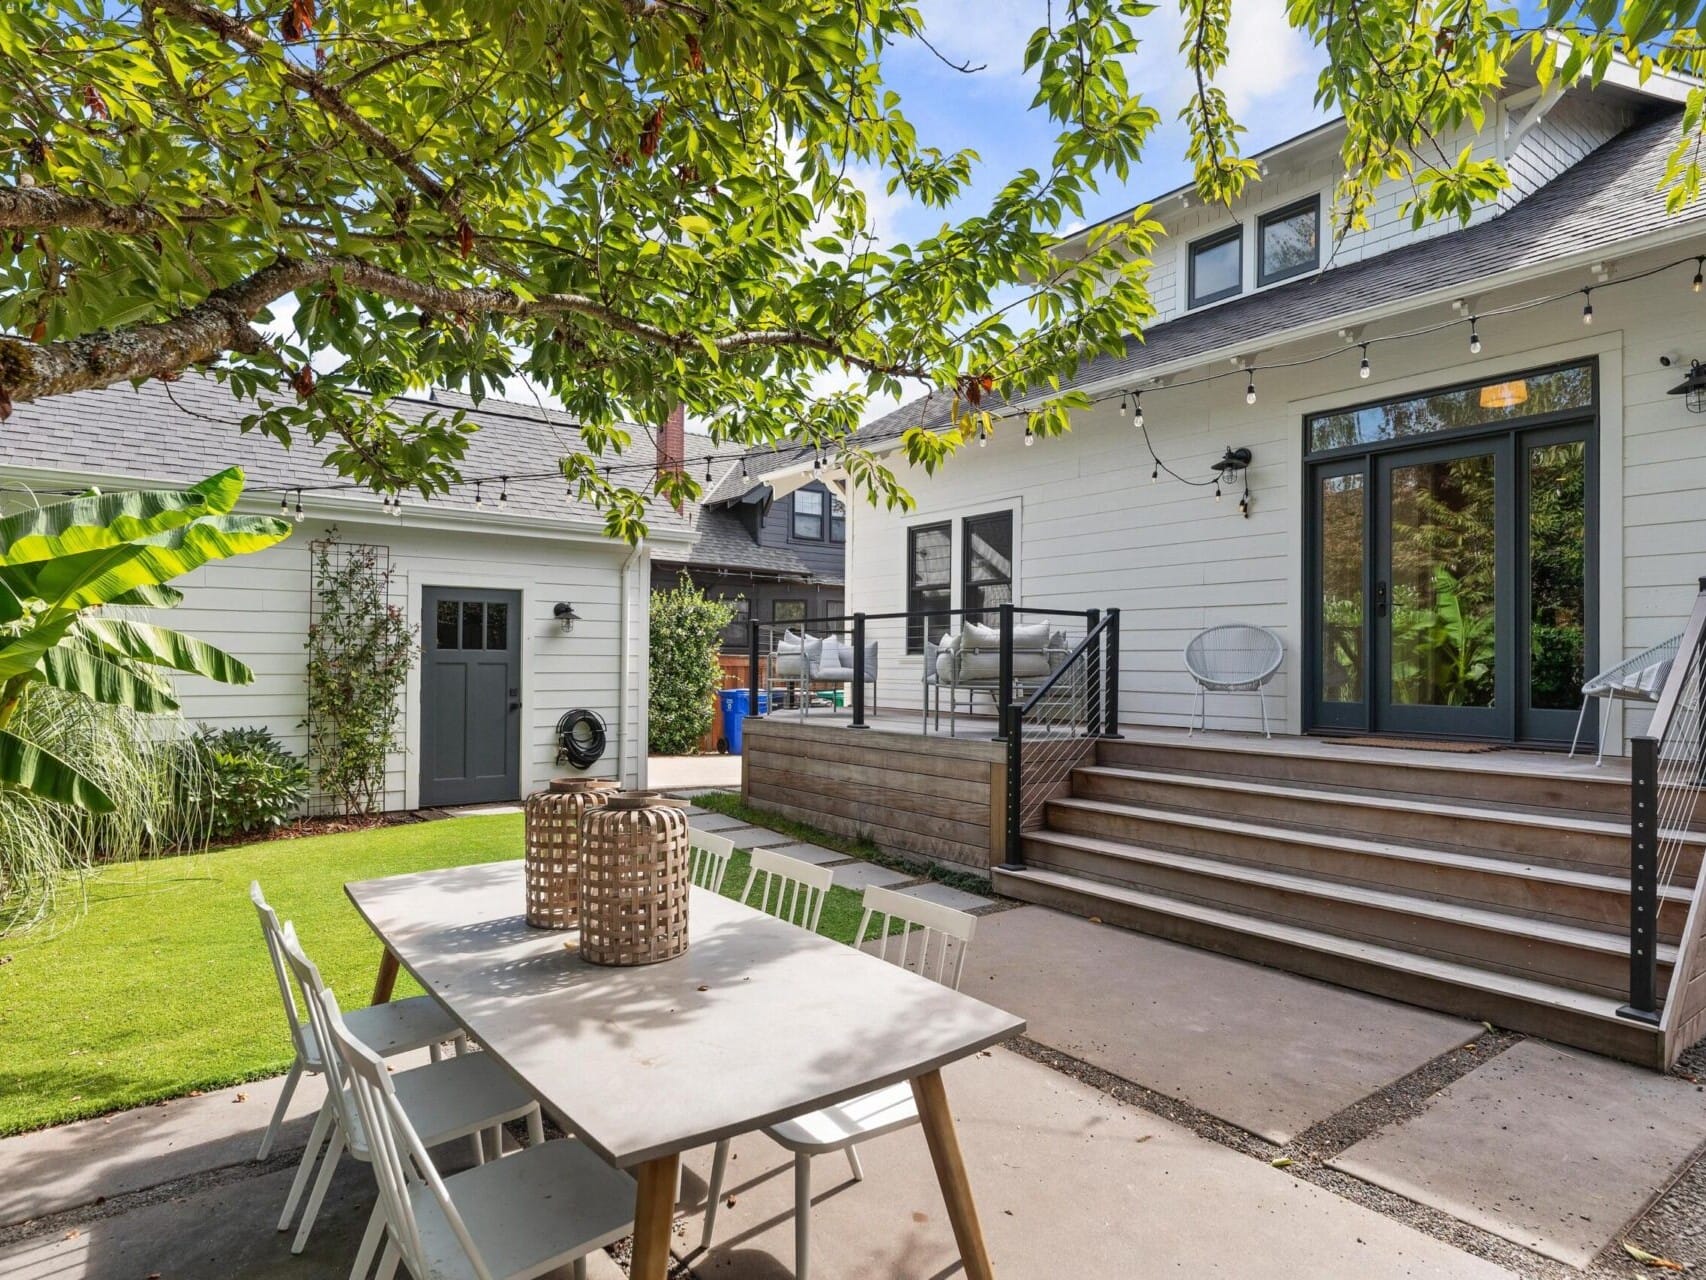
837,520
986,578
788,612
929,580
1217,266
1288,241
808,514
737,632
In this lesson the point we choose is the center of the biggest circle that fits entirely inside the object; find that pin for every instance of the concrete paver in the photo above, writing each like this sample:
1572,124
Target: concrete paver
1270,1052
1548,1147
860,876
815,854
1068,1183
948,896
756,837
718,822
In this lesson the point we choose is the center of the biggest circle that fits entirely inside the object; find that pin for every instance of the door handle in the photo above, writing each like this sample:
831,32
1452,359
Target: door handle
515,706
1380,599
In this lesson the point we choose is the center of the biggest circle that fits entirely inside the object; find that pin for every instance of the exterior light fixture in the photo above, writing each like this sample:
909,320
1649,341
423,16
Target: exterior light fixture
1232,462
564,612
1693,388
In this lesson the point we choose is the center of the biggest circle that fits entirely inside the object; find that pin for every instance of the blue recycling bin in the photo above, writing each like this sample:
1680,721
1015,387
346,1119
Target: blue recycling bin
735,704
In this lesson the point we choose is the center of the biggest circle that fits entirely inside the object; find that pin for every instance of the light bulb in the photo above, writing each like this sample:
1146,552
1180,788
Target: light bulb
1474,335
1587,307
478,500
1125,406
1137,411
1030,437
1250,391
503,493
983,438
1699,274
743,471
300,515
1155,474
284,504
1217,491
707,468
1362,371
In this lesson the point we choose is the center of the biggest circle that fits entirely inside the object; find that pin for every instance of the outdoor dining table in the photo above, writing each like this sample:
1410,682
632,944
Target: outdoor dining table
758,1021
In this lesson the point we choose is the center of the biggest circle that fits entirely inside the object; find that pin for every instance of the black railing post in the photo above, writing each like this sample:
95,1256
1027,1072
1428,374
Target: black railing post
1004,671
1111,676
859,672
1092,674
1643,882
752,676
1013,715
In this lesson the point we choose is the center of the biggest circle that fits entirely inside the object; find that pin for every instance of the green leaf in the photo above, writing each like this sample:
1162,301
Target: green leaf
82,672
100,577
162,647
694,224
22,654
41,773
96,521
151,596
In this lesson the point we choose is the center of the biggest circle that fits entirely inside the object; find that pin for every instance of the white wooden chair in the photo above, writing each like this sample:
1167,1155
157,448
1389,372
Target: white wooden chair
1235,658
461,1097
942,937
387,1029
544,1207
710,854
791,890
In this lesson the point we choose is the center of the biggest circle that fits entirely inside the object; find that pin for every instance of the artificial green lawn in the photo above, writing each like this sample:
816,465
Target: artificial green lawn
162,986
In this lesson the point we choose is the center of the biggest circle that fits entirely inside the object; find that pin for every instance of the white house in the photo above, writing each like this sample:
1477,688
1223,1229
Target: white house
481,577
1415,401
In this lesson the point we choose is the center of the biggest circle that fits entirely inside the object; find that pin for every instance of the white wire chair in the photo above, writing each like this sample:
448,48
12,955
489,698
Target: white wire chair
1638,679
1234,658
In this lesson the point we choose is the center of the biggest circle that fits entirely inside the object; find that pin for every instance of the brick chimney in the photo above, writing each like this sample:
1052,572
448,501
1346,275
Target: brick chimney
672,441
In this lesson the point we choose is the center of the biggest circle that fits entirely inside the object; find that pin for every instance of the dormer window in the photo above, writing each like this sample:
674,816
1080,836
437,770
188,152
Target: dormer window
1288,241
1217,266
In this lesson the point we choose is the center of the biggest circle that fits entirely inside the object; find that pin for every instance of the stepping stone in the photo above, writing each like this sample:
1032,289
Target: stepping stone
718,822
753,837
815,854
864,875
948,896
1551,1148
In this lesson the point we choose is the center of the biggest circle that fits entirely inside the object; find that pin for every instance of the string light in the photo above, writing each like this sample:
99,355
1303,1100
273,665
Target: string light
1125,405
1587,307
743,471
1363,370
1699,273
1030,436
1474,335
284,504
1155,474
983,437
1137,410
1250,388
300,514
479,501
503,492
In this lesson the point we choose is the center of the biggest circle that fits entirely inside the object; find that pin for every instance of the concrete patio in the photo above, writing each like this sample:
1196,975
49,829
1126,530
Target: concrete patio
1172,1110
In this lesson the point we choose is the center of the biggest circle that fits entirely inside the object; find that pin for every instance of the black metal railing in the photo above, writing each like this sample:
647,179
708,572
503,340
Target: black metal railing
1051,731
1667,771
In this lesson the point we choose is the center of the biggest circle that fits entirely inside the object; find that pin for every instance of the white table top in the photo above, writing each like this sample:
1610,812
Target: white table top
758,1021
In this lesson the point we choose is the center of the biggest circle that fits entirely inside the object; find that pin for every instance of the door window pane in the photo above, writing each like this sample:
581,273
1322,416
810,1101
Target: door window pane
473,625
1521,397
1288,242
497,626
1441,606
1557,574
988,577
929,567
1342,576
1217,266
447,635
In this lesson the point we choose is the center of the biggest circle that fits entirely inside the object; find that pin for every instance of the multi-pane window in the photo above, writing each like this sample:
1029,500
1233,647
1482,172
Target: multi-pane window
1217,266
1288,241
469,624
929,581
788,612
987,577
837,520
808,514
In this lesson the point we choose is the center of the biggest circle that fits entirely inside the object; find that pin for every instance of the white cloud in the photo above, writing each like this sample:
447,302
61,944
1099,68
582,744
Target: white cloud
1265,56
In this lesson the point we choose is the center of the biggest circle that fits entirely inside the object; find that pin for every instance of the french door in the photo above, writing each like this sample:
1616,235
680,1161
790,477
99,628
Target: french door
1451,585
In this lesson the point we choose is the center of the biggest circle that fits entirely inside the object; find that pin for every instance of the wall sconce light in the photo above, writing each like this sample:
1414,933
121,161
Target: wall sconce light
1693,388
565,613
1232,462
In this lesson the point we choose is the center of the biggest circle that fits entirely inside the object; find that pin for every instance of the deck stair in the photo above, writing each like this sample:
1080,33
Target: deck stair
1491,886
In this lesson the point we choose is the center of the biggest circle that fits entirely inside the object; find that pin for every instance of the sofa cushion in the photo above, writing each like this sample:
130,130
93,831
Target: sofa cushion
985,664
789,650
1026,636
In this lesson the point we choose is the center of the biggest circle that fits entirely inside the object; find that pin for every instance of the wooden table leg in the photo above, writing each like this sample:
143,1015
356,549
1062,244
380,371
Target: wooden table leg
654,1216
386,978
938,1123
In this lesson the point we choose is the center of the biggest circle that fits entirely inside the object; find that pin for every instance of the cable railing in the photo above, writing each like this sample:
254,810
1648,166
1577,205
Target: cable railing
1051,732
1668,770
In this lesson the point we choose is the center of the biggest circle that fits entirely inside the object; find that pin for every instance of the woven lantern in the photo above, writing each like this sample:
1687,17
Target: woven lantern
635,874
553,864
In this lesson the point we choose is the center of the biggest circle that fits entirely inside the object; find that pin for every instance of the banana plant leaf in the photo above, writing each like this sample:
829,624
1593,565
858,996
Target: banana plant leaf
76,670
11,608
160,647
97,521
40,772
20,654
153,596
99,577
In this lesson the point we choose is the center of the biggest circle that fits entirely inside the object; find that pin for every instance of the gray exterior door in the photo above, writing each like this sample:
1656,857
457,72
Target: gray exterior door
470,695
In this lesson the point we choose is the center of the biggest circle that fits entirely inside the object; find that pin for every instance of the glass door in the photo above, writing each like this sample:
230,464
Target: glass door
1557,529
1443,599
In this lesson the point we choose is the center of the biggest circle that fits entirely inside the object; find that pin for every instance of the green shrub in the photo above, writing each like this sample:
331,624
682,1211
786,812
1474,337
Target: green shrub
687,632
250,781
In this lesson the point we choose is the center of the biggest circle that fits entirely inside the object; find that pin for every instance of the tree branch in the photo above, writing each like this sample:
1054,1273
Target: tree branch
45,208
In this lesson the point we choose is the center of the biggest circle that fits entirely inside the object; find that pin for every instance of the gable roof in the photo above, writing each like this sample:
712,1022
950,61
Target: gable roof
1609,198
721,542
181,432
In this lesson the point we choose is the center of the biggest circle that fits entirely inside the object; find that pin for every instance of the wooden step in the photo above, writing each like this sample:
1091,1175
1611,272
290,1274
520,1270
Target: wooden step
1524,1004
1073,842
1535,781
1592,960
1550,839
